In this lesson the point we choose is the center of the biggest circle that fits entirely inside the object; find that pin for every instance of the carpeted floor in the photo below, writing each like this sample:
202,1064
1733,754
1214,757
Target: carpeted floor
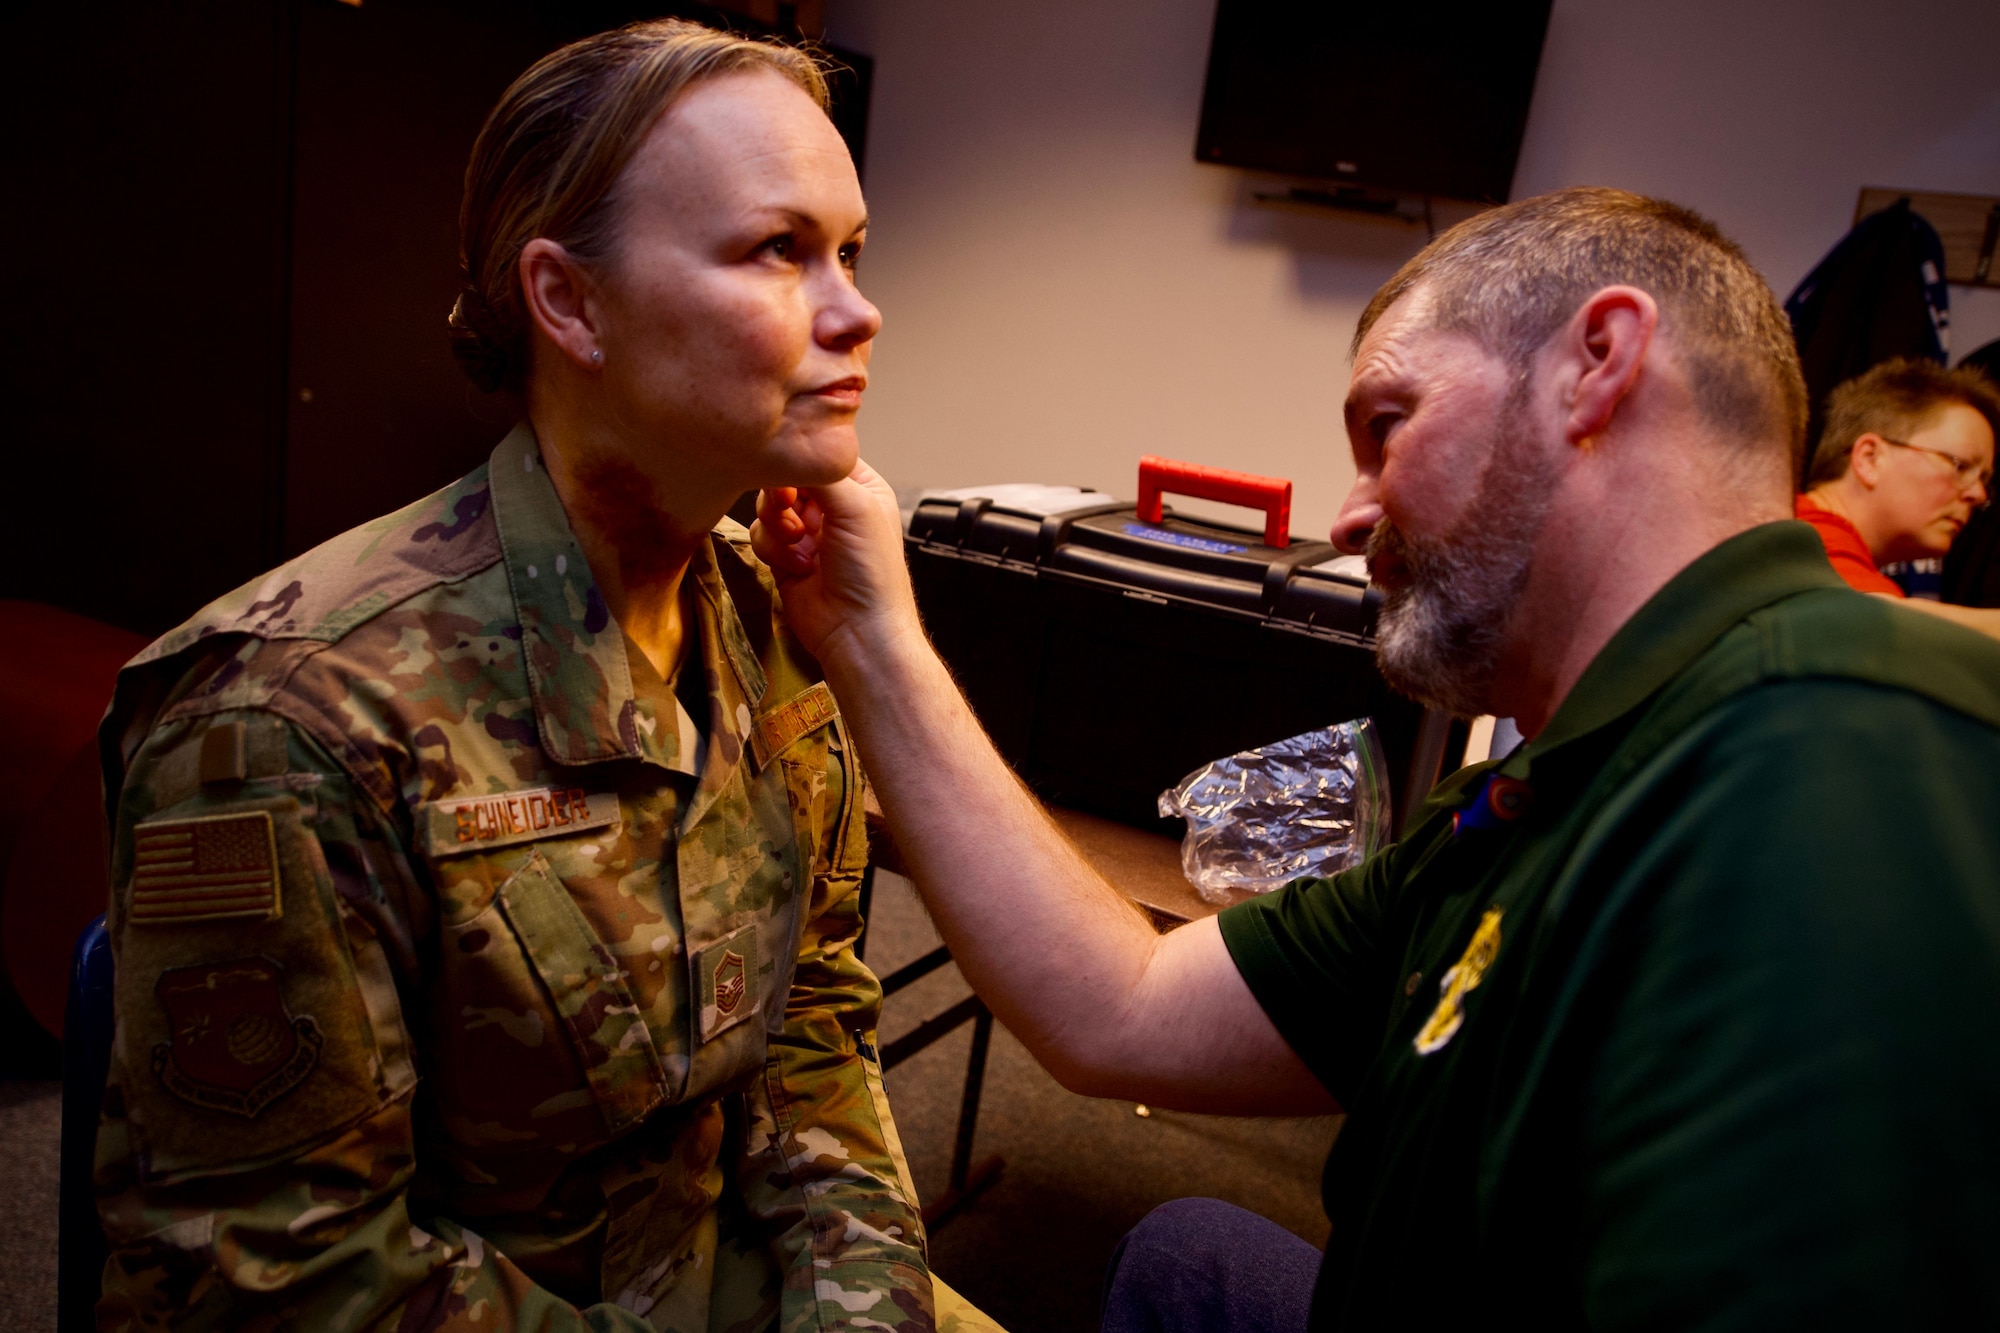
1079,1172
1030,1251
30,1133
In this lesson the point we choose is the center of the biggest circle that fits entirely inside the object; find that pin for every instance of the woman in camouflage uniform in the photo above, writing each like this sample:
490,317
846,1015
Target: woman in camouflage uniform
485,878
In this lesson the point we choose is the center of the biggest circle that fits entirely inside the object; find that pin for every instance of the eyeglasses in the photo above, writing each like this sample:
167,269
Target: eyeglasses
1966,470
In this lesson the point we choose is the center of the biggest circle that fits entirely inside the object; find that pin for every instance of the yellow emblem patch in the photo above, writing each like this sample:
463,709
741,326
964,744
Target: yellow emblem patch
1446,1019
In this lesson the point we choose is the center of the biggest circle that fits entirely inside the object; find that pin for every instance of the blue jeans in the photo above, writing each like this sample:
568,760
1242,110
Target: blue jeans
1205,1266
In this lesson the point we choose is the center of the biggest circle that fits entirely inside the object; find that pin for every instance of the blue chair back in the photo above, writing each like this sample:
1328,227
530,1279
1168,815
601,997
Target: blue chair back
81,1249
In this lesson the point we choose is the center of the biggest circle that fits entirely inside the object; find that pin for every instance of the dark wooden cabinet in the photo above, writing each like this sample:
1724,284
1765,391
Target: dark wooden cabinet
230,246
145,299
389,100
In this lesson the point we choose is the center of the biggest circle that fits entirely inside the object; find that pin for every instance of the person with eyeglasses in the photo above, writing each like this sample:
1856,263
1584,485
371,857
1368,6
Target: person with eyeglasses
1904,461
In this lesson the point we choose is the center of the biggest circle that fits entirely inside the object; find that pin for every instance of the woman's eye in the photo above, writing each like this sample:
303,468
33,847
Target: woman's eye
850,254
779,247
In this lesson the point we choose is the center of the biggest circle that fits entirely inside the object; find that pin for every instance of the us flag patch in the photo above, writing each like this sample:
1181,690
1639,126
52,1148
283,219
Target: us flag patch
217,868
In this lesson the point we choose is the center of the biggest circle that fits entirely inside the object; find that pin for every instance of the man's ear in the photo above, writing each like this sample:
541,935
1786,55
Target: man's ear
561,299
1865,459
1604,346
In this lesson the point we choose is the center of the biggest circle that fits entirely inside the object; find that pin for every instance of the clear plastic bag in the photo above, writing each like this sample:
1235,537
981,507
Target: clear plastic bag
1309,805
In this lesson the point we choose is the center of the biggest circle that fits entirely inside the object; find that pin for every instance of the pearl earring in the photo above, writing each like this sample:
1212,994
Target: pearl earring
596,357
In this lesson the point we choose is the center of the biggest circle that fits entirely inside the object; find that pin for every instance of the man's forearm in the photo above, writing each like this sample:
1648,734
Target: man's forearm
1052,948
1072,968
1982,620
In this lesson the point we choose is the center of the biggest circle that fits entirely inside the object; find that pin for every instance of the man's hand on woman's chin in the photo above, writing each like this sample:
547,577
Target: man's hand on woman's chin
838,554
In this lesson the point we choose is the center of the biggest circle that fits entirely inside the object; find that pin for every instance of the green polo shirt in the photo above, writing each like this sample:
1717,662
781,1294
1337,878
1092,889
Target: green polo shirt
1703,1034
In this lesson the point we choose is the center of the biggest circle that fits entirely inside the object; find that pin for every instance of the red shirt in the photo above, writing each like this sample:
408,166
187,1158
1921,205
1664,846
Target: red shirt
1845,549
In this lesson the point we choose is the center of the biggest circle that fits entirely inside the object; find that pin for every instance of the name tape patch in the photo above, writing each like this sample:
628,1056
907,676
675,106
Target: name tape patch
809,709
475,823
214,868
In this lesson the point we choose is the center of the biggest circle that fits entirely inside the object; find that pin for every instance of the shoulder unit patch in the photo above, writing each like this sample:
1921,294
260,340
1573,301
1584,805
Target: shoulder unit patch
213,868
234,1047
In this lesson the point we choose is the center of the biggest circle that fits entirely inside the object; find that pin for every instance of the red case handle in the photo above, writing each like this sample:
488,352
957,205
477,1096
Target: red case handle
1158,476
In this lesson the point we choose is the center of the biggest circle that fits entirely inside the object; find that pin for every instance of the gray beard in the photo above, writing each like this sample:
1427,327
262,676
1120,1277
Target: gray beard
1438,638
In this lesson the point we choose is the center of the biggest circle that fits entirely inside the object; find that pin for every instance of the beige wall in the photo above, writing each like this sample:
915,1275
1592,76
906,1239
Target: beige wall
1065,288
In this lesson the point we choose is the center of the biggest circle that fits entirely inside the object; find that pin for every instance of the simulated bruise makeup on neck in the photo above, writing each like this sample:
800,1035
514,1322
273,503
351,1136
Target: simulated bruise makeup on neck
616,499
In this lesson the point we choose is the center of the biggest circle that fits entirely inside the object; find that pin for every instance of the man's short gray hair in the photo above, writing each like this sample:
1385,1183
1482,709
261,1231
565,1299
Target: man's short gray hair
1511,277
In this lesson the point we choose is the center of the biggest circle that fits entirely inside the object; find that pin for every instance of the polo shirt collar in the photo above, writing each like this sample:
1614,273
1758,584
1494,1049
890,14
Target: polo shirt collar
1680,622
586,710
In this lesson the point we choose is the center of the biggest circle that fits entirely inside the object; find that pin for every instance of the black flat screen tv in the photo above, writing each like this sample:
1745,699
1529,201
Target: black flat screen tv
1407,97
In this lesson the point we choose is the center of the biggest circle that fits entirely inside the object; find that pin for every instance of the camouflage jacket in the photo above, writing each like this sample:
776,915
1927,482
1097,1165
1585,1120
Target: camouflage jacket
464,982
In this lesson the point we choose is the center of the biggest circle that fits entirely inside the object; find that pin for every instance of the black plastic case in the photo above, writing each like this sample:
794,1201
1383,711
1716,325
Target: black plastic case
1109,657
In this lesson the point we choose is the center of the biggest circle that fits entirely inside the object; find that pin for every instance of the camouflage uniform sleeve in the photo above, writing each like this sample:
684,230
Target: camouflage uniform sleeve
256,1152
822,1159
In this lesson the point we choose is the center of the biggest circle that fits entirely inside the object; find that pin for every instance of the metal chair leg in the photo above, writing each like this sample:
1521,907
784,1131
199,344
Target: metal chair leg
968,1180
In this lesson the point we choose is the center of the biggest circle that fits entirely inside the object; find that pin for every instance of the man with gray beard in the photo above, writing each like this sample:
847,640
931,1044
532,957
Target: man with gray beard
1439,633
1675,1016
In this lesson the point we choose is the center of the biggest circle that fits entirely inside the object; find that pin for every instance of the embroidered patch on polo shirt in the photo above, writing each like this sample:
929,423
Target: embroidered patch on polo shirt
809,709
1449,1016
214,868
478,823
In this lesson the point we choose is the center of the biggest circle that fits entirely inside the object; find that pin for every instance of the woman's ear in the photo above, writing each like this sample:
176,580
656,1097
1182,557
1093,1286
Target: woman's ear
561,300
1865,459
